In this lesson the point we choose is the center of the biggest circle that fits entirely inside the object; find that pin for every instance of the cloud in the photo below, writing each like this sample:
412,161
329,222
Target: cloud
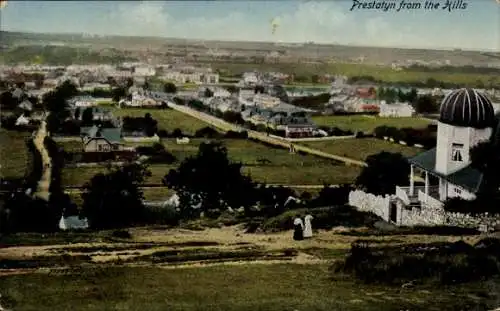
310,21
299,21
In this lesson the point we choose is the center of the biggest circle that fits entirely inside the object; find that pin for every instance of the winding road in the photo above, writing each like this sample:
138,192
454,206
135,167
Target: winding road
42,191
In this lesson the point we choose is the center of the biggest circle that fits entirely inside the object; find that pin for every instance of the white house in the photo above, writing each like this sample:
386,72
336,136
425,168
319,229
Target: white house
466,119
396,110
265,101
144,71
250,78
22,120
83,101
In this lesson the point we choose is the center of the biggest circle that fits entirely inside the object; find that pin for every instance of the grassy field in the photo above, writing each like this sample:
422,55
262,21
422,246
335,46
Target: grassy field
167,119
14,154
367,124
244,287
264,164
213,269
383,73
361,148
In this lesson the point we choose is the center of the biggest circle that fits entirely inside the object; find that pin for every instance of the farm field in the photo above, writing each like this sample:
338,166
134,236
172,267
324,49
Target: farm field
382,73
360,148
168,119
230,272
264,164
14,154
367,124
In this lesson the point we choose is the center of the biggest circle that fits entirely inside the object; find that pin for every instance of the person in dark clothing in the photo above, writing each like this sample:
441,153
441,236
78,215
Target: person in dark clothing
298,232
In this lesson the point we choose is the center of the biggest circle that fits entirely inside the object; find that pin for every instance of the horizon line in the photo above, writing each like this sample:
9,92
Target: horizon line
450,49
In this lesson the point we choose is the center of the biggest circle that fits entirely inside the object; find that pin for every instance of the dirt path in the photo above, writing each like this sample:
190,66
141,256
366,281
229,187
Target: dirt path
181,248
44,182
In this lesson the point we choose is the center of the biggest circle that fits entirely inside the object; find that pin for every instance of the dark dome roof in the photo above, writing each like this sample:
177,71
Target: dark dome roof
467,108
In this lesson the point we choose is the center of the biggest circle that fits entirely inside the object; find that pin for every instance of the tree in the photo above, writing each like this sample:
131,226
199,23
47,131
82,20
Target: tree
485,157
129,83
118,93
259,89
150,125
169,88
67,90
39,79
88,117
7,101
114,199
425,104
208,93
111,81
210,180
384,171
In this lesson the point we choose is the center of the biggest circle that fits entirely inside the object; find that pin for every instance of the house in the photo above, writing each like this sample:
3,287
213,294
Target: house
466,119
26,105
396,110
295,125
140,100
18,94
82,101
265,101
97,139
22,120
98,114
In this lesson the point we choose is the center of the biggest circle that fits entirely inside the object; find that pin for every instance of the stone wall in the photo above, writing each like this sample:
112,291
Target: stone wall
420,215
468,221
368,202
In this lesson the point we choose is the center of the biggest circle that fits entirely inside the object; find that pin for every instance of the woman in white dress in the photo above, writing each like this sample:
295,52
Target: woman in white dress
298,232
308,233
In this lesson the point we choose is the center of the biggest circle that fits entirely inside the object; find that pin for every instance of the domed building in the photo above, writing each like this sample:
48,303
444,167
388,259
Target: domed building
466,118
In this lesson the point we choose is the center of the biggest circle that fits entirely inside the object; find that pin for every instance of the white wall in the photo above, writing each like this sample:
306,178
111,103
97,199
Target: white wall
456,191
367,202
448,135
425,215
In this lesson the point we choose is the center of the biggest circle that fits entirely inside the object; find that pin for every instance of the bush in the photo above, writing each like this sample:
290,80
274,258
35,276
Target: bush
324,218
332,196
121,234
236,135
156,154
177,133
447,263
411,136
207,132
162,133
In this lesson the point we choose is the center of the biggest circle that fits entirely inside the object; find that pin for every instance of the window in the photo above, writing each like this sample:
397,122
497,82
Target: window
458,190
456,152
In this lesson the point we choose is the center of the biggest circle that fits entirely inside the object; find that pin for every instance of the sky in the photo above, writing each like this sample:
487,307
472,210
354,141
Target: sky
477,27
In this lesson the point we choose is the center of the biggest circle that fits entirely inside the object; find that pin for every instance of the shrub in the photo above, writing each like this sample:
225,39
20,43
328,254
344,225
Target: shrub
121,234
207,132
447,263
177,133
324,218
236,135
162,133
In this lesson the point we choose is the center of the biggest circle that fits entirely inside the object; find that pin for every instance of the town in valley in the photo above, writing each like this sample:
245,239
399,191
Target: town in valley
149,172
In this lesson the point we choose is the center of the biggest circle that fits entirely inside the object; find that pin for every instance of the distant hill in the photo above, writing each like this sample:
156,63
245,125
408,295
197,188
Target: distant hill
366,55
